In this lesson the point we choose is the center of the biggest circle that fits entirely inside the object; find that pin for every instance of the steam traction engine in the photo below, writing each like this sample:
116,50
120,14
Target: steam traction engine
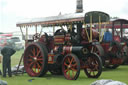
66,52
118,46
113,52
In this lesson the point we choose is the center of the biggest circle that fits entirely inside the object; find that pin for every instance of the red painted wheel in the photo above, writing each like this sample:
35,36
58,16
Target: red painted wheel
71,67
36,59
94,66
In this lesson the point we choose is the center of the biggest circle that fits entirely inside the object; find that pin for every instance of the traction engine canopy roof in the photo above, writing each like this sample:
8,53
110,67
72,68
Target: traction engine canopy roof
119,21
97,16
66,19
53,20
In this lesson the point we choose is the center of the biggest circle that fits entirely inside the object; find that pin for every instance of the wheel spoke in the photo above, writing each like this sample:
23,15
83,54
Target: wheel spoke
96,65
74,69
40,59
69,73
34,67
40,62
31,64
39,67
30,56
71,60
65,64
73,65
40,56
66,70
33,51
38,52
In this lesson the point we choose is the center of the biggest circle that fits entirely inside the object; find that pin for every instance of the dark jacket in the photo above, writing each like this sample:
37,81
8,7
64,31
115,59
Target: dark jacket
7,51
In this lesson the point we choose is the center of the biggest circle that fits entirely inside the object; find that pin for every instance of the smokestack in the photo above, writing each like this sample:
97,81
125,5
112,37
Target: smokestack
79,6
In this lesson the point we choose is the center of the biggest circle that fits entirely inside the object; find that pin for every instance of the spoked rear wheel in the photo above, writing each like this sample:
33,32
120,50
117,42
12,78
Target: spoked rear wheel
94,66
35,59
71,67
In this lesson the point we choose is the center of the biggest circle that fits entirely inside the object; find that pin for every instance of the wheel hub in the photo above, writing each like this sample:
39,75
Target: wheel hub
35,58
69,66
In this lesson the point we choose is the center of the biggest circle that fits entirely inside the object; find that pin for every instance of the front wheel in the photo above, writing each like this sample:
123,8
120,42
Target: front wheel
35,59
94,66
71,67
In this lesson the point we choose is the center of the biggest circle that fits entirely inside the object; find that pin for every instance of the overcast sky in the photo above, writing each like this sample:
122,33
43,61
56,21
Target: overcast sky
12,11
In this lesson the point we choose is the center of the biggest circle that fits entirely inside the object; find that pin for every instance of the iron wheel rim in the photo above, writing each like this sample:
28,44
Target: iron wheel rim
34,60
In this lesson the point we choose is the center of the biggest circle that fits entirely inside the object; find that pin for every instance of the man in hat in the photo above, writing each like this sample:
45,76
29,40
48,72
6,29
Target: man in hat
7,52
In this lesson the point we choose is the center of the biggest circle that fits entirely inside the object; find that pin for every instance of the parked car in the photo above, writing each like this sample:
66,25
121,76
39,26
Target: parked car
6,42
17,42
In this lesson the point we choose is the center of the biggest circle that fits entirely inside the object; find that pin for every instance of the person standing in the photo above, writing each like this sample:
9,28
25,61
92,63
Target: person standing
107,36
7,52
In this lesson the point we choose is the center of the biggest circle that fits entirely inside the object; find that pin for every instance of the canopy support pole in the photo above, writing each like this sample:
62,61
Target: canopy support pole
26,37
99,28
22,32
121,27
86,31
36,28
91,28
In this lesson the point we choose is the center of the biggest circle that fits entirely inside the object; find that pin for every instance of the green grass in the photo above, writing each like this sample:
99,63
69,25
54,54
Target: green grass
16,57
119,74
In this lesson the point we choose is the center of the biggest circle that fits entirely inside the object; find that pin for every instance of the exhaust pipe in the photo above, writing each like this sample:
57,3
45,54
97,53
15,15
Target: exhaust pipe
79,6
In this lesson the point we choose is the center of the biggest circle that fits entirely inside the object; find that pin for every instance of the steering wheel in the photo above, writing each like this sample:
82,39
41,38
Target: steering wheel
36,36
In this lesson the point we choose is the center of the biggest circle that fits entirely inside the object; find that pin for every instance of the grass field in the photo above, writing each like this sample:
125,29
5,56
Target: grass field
119,74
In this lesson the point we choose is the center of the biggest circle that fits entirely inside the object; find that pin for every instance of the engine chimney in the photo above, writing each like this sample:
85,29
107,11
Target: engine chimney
79,6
